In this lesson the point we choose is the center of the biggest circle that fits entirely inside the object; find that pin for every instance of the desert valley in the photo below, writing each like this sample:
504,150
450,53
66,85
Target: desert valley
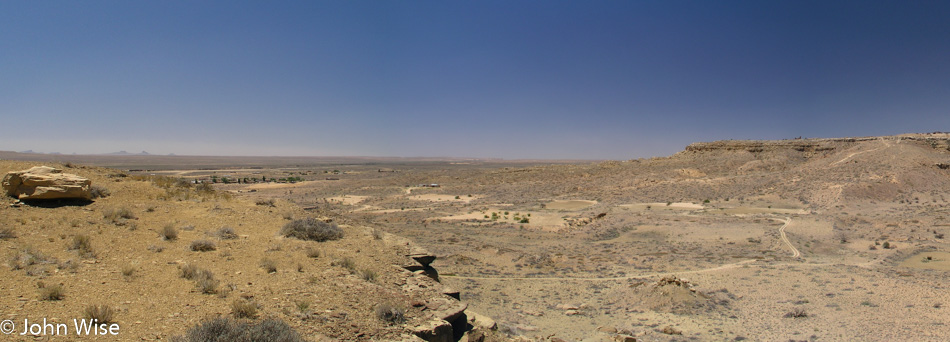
801,239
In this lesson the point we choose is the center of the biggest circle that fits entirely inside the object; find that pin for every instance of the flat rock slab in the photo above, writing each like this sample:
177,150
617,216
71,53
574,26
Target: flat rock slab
44,182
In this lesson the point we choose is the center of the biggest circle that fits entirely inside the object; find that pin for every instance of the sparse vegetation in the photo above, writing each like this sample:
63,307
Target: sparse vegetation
169,233
204,279
223,329
102,314
368,275
119,217
270,266
83,245
226,233
98,192
797,313
51,292
26,257
390,314
266,202
244,308
312,229
128,271
347,263
7,233
313,253
203,246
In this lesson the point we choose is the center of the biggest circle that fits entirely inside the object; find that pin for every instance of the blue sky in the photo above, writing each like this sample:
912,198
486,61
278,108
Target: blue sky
507,79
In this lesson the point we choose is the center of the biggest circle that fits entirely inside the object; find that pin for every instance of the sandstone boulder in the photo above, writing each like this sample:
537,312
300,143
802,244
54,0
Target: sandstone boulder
435,330
44,182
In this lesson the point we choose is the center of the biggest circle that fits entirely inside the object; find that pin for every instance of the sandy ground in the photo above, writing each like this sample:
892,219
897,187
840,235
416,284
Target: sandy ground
569,204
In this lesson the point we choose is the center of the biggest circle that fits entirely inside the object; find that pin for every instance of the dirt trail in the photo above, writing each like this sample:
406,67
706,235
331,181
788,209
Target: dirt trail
787,220
886,144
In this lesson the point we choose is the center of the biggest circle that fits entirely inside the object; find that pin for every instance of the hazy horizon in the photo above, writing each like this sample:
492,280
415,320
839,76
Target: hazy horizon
491,79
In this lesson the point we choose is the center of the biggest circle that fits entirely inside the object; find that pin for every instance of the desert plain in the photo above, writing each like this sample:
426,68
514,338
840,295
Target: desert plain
801,239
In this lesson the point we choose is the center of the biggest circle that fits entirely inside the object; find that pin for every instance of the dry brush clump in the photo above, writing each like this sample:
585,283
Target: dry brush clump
222,329
119,217
169,233
83,245
312,229
96,191
204,279
269,265
102,314
347,263
203,246
26,257
7,233
390,313
51,292
226,233
244,308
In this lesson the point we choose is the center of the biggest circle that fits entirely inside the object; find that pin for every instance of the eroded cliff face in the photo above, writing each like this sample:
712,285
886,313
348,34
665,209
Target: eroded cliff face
756,146
812,147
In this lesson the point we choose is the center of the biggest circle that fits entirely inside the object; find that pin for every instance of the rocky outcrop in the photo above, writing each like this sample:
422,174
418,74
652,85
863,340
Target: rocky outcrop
44,182
757,146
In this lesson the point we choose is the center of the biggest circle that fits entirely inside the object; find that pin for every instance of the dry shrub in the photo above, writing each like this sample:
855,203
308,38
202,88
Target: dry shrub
204,279
223,329
346,263
119,216
797,313
102,314
390,313
226,233
312,229
51,292
266,202
169,233
7,233
203,246
98,192
26,257
313,253
83,245
269,265
243,308
368,275
128,271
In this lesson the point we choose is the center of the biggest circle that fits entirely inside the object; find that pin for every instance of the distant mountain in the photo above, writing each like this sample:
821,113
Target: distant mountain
27,151
124,153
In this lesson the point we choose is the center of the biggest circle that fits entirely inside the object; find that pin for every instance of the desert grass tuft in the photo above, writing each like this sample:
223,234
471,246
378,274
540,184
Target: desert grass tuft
7,233
244,308
313,253
169,233
102,314
347,263
82,244
51,292
269,265
369,275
